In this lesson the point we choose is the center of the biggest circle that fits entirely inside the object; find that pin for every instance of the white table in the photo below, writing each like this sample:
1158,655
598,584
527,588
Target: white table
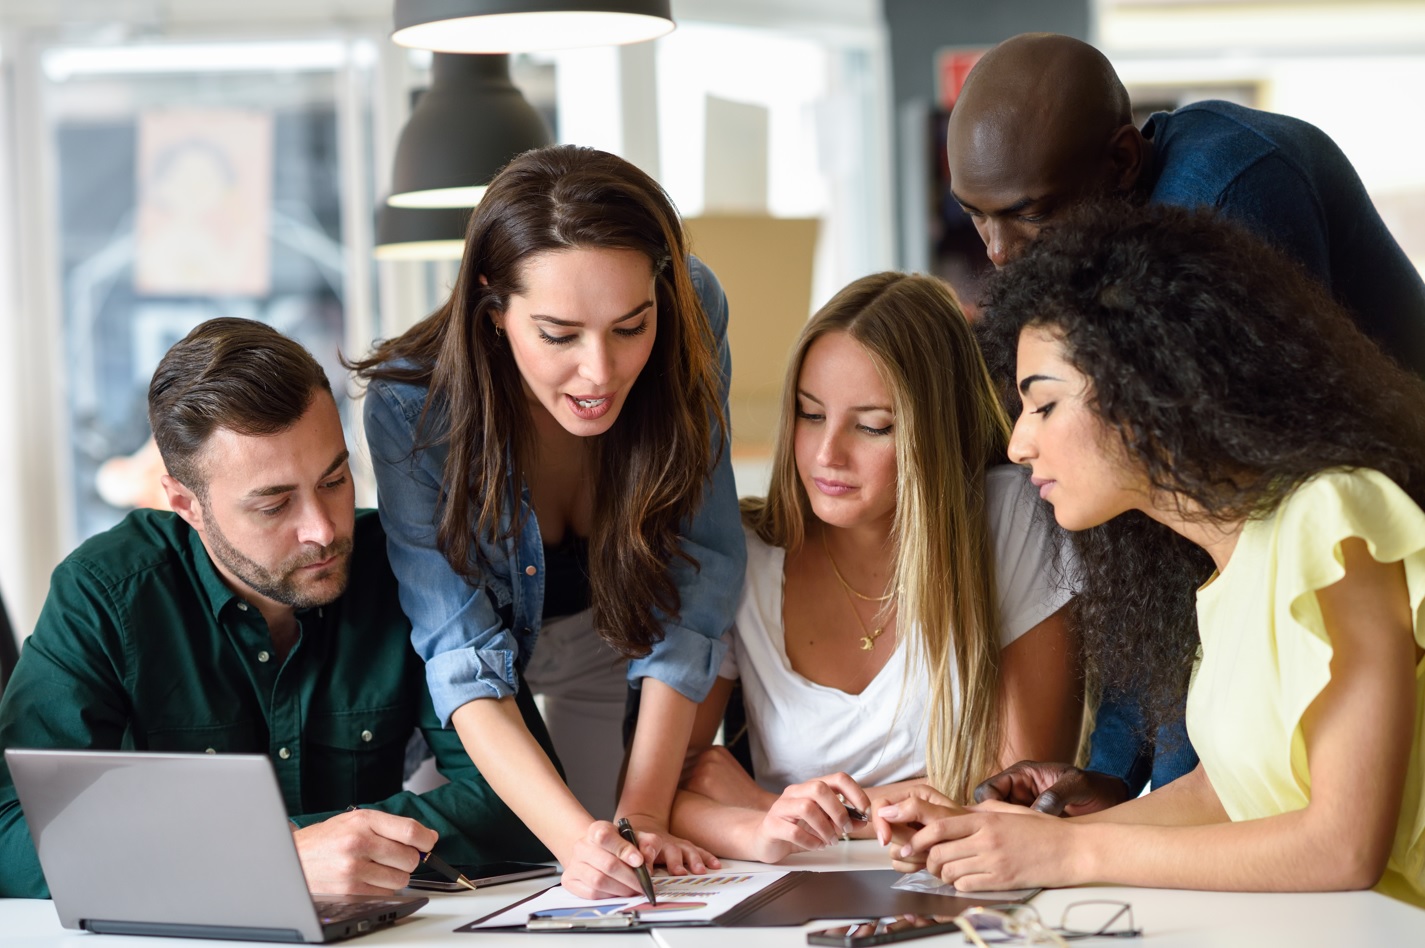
1169,918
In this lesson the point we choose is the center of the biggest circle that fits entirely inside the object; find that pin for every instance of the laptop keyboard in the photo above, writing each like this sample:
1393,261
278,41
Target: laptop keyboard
341,911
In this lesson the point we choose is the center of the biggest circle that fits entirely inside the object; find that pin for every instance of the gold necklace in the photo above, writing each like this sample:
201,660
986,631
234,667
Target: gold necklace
842,579
868,638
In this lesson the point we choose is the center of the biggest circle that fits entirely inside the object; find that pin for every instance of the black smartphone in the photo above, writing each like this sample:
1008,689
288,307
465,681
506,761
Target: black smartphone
883,931
490,873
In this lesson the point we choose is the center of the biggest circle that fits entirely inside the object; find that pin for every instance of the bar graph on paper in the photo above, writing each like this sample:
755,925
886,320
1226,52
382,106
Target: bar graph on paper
698,887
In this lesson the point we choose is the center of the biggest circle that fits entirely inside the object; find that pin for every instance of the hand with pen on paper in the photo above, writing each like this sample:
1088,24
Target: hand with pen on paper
362,852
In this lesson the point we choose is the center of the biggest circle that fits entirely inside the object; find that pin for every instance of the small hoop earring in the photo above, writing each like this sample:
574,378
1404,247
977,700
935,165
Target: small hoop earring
499,332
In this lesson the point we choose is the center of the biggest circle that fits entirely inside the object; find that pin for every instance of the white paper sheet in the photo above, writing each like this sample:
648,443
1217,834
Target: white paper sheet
680,899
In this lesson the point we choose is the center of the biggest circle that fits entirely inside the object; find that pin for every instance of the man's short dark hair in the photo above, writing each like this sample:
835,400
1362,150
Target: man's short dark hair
237,374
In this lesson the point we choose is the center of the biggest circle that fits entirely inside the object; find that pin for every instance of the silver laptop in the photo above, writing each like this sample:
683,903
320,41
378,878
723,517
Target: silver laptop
194,845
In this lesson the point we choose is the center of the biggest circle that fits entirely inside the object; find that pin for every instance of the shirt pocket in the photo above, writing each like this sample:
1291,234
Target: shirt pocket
240,737
355,757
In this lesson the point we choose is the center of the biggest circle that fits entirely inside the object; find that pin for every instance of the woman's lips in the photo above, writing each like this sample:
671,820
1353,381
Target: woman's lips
590,407
832,488
1044,484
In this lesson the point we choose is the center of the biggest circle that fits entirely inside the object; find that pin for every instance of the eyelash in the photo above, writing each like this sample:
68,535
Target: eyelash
638,330
875,432
1045,410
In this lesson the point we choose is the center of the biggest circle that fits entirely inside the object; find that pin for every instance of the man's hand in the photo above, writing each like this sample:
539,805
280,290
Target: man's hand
717,775
363,852
1056,789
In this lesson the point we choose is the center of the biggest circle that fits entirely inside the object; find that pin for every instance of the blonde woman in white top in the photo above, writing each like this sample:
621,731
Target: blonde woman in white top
901,620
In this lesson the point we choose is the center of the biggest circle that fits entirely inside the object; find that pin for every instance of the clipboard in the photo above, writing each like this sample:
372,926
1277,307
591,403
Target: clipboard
797,898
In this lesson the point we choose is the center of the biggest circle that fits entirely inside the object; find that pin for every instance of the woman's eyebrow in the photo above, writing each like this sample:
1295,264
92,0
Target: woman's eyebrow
1029,380
574,324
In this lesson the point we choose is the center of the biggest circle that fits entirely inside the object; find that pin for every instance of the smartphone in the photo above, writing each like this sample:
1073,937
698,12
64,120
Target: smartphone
580,919
883,931
490,873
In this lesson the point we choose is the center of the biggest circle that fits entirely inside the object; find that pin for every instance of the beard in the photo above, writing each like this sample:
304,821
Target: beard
285,583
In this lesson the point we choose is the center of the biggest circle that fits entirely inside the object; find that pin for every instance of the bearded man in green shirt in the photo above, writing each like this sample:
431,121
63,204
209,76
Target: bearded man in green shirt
259,617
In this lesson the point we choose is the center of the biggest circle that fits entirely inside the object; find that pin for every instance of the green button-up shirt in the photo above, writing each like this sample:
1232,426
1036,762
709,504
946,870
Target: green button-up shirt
142,646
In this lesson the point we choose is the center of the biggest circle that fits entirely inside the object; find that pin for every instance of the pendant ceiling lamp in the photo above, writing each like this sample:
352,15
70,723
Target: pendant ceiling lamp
418,233
464,128
516,26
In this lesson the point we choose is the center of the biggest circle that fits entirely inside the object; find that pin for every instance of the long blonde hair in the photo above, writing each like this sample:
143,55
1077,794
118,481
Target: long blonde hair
950,427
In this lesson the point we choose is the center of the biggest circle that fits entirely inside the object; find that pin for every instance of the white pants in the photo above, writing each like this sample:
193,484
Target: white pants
580,685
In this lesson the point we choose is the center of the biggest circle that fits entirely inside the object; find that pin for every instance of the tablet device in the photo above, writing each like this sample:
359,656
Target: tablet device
485,874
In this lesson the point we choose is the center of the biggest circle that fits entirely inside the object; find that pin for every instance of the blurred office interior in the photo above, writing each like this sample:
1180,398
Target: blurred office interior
166,161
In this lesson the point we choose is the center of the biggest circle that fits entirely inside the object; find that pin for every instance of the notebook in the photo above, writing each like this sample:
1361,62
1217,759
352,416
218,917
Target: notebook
193,845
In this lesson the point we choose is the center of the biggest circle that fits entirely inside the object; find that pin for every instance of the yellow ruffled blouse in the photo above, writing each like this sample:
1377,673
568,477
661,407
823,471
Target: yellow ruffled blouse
1266,654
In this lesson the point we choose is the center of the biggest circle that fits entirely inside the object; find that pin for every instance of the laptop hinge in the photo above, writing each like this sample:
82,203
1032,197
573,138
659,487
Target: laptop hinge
242,933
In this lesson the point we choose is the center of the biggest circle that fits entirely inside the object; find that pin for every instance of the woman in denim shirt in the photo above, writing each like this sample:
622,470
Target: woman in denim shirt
570,394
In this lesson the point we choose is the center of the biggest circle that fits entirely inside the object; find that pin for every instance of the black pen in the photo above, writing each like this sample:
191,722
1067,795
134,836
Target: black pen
446,869
644,879
856,814
436,863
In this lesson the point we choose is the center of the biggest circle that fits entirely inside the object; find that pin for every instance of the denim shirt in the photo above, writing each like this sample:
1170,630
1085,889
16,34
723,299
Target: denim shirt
476,637
1287,182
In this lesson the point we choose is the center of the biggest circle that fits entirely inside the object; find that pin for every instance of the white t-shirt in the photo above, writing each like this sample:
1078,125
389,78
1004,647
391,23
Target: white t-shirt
800,729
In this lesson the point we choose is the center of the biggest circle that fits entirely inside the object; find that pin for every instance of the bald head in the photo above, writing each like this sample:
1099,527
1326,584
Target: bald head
1042,122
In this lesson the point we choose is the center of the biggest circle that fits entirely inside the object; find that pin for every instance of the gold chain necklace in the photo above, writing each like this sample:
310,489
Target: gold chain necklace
842,579
868,638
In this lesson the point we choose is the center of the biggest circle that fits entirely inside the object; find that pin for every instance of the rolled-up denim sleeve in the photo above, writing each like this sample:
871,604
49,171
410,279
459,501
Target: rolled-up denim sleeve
691,652
1118,745
455,628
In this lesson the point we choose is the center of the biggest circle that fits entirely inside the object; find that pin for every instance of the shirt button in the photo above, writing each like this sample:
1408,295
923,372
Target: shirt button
242,606
284,753
263,656
366,736
530,570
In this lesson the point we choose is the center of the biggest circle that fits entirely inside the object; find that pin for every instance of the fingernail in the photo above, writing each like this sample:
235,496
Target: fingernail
905,850
890,812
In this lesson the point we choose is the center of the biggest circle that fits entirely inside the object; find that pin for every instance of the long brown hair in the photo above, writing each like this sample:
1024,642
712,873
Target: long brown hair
650,466
949,428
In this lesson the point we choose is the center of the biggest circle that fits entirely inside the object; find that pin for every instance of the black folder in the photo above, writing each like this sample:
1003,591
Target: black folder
804,896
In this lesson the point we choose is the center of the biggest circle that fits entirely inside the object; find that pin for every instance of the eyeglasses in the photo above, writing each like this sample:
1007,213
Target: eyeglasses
986,925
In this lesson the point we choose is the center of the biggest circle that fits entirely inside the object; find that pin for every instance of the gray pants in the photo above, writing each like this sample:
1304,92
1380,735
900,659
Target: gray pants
580,685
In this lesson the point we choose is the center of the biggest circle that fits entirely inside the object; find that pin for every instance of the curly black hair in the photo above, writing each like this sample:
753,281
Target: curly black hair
1229,373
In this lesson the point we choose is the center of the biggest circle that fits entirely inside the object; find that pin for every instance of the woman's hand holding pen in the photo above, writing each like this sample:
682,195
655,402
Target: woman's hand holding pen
812,815
602,865
362,852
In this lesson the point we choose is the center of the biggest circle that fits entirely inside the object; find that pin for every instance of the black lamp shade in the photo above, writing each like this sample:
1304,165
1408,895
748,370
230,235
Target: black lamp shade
511,26
466,127
418,233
